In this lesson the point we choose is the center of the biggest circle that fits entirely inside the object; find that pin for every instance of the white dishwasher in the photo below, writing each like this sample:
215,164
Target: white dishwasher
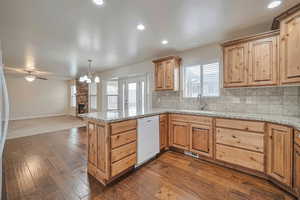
147,139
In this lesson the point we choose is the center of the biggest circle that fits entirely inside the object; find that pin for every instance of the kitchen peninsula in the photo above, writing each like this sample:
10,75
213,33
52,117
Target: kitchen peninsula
260,145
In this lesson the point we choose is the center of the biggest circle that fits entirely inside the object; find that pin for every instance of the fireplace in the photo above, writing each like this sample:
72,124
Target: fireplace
82,98
81,108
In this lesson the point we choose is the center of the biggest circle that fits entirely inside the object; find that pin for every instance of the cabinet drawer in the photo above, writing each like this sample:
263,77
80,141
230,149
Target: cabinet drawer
244,158
241,125
122,165
123,151
123,138
241,139
192,119
297,137
120,127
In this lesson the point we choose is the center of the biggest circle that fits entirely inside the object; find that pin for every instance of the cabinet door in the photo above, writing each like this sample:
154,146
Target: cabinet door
297,169
280,153
201,140
169,74
179,135
92,144
263,62
289,49
159,76
236,65
103,151
163,131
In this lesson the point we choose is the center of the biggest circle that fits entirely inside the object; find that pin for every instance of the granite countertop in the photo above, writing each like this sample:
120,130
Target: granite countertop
117,116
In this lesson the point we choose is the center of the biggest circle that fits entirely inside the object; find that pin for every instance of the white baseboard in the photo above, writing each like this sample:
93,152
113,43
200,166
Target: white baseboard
38,116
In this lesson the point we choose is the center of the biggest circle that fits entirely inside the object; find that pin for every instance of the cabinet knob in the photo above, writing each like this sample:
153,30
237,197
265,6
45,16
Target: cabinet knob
271,137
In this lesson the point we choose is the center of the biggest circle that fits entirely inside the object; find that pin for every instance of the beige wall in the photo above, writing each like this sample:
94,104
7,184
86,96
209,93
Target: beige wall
37,99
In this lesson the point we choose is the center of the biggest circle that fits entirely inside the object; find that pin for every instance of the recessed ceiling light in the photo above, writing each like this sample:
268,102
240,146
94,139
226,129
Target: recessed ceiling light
165,42
141,27
99,2
274,4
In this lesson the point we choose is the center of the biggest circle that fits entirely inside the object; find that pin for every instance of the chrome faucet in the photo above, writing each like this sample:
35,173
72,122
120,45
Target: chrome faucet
202,105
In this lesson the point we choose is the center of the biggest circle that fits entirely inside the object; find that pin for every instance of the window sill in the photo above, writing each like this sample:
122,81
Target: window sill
202,97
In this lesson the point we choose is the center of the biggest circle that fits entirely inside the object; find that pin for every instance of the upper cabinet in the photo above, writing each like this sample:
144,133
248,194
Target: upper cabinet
167,73
252,61
236,62
265,59
290,48
263,62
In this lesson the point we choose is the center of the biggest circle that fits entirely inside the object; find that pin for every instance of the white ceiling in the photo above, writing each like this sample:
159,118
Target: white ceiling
61,35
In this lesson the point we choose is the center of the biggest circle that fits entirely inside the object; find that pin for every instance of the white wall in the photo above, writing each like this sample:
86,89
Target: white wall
37,99
201,55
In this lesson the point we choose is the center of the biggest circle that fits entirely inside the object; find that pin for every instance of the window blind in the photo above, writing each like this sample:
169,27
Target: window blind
211,86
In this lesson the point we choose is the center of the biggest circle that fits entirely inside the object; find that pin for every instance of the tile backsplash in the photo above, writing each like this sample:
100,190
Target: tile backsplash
267,100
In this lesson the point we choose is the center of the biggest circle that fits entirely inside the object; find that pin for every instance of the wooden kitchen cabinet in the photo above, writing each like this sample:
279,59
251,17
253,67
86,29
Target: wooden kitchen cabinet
297,169
297,162
92,143
201,139
163,131
98,150
179,135
290,48
160,76
280,151
263,62
111,148
167,73
241,143
251,61
236,65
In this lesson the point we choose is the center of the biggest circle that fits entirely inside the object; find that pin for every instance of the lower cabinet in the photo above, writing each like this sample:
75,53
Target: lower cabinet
263,147
241,157
98,149
179,135
92,144
201,139
111,149
280,151
163,131
297,169
192,133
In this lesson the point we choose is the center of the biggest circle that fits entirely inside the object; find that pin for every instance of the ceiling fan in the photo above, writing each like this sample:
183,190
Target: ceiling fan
30,75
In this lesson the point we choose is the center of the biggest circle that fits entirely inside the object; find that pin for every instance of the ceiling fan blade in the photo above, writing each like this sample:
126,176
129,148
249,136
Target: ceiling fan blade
41,78
17,70
27,71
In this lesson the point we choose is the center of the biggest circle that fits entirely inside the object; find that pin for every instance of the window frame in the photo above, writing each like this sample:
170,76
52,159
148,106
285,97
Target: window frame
105,105
201,80
73,95
93,95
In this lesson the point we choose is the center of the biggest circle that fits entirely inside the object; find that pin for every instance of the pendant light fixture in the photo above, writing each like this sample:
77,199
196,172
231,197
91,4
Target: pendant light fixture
89,77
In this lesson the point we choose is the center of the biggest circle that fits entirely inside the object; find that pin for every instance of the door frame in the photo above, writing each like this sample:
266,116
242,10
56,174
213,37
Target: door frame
123,92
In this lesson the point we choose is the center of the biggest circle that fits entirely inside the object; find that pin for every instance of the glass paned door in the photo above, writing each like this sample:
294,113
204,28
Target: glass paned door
133,95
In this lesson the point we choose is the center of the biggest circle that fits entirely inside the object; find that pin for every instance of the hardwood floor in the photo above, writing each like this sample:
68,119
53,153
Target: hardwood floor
53,166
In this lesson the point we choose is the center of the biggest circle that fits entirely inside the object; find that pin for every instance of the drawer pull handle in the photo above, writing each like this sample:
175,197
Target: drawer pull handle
233,136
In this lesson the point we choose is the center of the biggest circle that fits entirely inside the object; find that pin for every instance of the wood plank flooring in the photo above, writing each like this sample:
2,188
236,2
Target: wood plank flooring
53,166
